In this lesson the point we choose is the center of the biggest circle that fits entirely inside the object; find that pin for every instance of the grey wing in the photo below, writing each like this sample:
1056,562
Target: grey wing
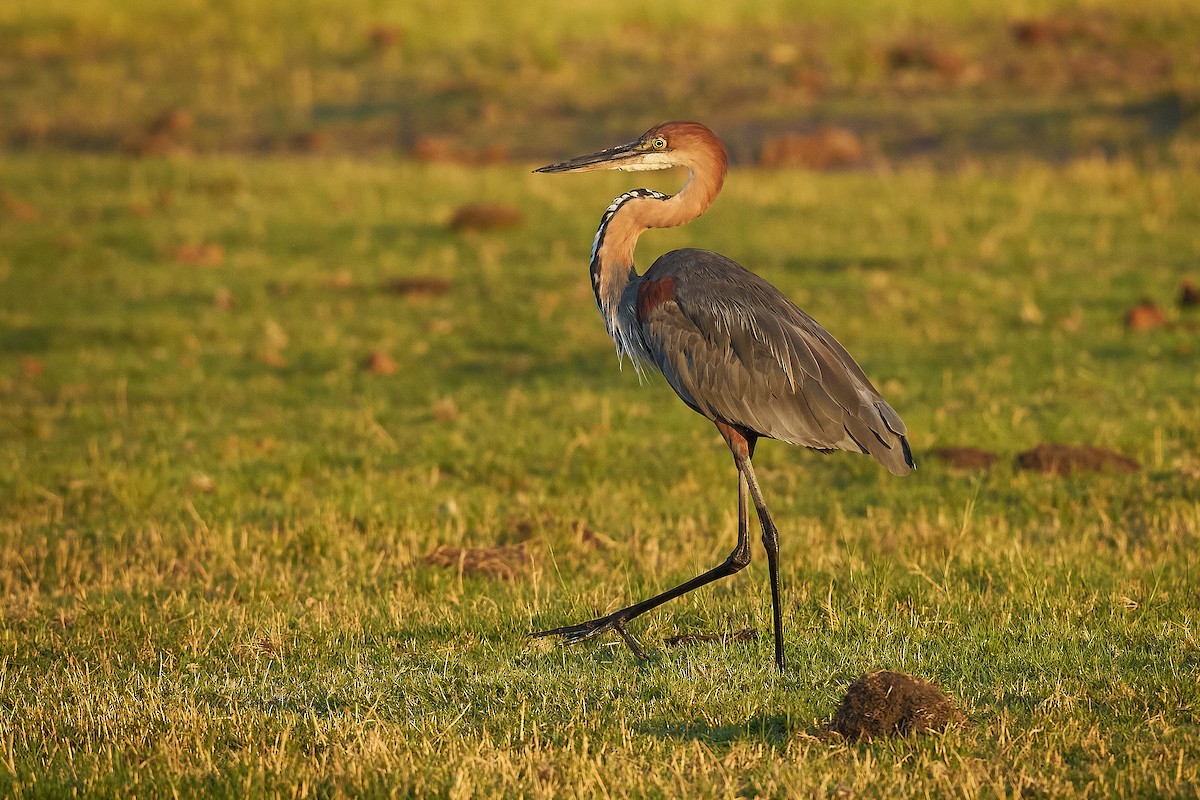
738,351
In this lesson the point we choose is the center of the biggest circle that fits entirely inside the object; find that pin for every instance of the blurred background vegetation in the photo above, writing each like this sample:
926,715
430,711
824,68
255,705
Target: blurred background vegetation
872,82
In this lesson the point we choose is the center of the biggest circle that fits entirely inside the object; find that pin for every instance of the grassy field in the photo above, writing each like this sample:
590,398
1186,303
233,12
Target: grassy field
215,516
244,400
939,79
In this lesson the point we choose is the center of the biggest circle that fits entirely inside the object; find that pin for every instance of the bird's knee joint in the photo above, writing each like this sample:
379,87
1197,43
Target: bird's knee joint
739,559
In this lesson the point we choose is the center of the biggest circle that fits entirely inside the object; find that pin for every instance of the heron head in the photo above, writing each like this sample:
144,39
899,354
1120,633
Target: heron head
662,147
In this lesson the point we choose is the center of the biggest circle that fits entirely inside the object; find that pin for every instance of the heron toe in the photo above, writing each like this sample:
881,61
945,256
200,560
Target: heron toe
573,634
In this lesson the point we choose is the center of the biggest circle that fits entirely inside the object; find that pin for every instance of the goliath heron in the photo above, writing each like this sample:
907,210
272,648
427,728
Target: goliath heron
731,345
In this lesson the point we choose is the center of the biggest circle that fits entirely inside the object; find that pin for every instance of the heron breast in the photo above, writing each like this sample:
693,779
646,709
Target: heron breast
653,294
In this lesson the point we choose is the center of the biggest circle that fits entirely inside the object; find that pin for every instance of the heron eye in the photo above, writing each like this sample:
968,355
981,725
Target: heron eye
659,144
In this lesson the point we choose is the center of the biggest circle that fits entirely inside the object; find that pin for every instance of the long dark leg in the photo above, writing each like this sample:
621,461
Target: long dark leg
770,537
742,447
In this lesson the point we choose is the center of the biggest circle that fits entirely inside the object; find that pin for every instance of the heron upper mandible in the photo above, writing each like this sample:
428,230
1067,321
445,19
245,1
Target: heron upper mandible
731,345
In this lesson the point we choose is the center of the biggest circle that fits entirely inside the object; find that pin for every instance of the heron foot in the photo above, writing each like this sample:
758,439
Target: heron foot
573,634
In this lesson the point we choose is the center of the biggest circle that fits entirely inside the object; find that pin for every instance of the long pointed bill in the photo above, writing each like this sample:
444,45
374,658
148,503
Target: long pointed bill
612,158
632,157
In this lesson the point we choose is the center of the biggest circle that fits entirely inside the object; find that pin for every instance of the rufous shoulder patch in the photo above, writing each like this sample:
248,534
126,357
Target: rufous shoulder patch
653,294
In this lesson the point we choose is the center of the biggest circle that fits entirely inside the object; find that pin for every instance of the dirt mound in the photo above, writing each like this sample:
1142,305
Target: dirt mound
380,363
18,209
449,150
1189,294
923,55
199,254
385,37
828,148
167,134
310,142
964,457
485,217
884,703
1066,459
1145,316
1056,30
504,562
425,286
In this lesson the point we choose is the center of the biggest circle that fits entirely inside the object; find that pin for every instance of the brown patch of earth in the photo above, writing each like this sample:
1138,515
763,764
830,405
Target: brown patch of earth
417,287
964,457
449,150
1145,316
445,410
385,37
1189,294
884,703
1058,29
32,367
917,54
1067,459
380,363
18,209
485,217
167,134
311,142
199,254
503,562
828,148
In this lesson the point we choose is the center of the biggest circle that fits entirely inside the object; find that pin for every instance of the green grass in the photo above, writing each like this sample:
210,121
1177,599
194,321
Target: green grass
369,76
214,516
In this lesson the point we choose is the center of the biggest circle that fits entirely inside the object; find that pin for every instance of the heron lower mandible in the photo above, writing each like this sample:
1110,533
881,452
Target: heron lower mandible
731,345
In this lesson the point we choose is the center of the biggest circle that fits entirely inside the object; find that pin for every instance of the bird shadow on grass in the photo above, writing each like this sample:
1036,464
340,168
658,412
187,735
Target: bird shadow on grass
775,730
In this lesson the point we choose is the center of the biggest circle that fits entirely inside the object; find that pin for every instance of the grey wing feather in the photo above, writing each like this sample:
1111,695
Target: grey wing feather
738,351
